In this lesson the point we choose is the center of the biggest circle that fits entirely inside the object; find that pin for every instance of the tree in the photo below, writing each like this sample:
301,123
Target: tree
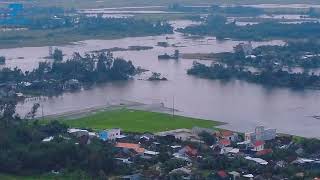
2,59
57,55
208,138
8,109
33,112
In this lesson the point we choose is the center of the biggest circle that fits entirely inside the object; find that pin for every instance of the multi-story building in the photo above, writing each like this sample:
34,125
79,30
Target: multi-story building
261,134
110,134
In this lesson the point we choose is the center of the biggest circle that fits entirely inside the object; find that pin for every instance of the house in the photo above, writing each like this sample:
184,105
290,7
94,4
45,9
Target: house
78,132
124,160
222,175
264,152
249,176
147,137
153,153
225,134
235,175
135,147
257,160
84,136
182,157
189,151
132,177
110,134
181,134
261,134
224,142
258,146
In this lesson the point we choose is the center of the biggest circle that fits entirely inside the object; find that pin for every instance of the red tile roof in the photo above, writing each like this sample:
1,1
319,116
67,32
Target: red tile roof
135,147
226,133
191,151
222,174
264,152
258,143
225,142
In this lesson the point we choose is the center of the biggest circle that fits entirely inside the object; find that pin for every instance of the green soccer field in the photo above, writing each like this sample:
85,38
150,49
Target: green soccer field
137,121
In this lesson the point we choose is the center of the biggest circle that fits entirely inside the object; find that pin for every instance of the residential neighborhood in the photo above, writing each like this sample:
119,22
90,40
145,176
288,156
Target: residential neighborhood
202,153
159,89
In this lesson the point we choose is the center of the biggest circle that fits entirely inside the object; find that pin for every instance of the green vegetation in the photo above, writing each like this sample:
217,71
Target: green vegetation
61,176
72,74
66,29
138,121
218,26
304,54
268,77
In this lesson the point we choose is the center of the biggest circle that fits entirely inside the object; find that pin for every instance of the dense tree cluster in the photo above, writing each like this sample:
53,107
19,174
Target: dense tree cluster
216,9
293,54
267,77
23,152
99,26
53,77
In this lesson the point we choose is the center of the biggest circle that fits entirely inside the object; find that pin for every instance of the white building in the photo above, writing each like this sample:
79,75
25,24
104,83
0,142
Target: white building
261,134
110,134
181,134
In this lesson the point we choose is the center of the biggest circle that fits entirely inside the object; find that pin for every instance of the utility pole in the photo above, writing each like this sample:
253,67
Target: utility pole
173,106
42,112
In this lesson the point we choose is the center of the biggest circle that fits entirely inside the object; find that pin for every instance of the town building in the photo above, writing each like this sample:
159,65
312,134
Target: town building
135,147
189,151
258,146
225,134
224,142
261,134
110,134
181,134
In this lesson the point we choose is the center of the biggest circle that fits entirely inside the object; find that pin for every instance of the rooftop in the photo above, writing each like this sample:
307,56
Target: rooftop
225,142
135,147
226,133
258,143
222,174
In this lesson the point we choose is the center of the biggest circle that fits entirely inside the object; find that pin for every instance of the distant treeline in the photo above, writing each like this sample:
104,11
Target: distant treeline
216,9
218,26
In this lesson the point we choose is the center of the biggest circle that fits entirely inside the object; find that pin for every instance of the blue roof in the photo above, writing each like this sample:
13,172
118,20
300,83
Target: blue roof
103,135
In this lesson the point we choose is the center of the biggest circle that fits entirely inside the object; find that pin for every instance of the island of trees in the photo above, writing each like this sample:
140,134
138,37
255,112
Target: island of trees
267,77
54,78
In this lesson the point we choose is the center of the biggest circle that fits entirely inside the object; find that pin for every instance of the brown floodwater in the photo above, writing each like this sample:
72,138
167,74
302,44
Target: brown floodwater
242,105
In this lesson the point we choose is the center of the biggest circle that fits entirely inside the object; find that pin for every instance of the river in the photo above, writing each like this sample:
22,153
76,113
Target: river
242,105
